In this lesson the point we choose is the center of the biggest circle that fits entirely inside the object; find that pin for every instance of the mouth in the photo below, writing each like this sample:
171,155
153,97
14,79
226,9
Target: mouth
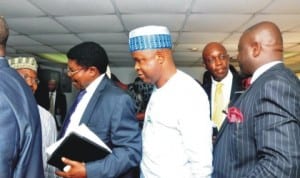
220,71
140,75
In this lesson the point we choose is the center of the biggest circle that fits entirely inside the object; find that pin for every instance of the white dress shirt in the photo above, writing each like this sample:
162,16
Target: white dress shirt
177,131
81,106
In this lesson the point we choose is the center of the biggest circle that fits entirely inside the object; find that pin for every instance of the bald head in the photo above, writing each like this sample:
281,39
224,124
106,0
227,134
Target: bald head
260,44
269,35
210,46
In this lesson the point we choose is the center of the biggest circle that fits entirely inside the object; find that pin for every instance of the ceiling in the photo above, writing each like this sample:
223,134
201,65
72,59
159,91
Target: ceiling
43,27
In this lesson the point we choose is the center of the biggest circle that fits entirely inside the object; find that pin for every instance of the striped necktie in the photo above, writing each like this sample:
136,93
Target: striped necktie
72,109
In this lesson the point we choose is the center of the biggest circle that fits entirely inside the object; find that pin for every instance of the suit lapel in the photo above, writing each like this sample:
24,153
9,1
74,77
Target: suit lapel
95,99
235,102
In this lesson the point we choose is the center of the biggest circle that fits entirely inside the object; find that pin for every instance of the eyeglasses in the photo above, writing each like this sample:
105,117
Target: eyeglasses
30,79
212,59
71,73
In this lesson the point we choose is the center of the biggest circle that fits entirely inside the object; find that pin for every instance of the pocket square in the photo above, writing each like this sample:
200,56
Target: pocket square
234,115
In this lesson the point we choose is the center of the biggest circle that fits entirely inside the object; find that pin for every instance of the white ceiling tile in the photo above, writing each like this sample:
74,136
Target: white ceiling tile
191,56
38,25
233,38
295,29
229,6
286,46
17,8
120,56
294,48
11,32
116,47
215,22
153,6
21,40
91,24
75,7
291,37
107,38
182,47
10,50
63,48
284,22
173,22
231,46
201,37
283,7
36,49
56,39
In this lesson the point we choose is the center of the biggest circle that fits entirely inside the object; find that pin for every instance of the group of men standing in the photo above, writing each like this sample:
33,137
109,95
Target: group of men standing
257,131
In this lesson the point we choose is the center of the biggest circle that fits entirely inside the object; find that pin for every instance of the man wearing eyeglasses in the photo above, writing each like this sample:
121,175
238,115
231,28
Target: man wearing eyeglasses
221,81
27,68
106,110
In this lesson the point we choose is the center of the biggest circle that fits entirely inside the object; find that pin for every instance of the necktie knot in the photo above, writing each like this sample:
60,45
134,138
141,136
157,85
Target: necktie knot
219,85
80,94
246,82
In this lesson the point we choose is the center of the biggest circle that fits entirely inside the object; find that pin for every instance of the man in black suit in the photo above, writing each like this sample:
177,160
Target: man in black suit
216,61
52,99
57,102
260,136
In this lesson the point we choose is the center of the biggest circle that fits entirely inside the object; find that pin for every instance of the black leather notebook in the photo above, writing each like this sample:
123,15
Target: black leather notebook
78,148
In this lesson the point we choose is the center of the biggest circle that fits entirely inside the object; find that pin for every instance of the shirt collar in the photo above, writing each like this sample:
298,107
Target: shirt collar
226,79
93,85
262,69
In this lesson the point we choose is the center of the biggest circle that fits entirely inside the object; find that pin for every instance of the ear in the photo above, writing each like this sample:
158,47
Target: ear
93,71
256,49
159,56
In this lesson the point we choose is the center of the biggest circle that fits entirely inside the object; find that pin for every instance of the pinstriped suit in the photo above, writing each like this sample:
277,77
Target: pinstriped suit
267,142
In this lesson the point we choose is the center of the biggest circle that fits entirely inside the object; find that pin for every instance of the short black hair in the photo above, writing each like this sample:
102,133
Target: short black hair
88,54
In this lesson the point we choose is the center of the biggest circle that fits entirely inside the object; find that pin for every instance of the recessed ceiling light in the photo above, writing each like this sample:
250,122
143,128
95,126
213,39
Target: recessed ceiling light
194,49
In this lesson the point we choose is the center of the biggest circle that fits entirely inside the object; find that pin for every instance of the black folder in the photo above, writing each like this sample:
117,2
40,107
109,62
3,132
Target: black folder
78,148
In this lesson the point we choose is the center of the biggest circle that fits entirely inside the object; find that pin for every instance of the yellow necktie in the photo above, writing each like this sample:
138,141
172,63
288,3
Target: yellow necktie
217,116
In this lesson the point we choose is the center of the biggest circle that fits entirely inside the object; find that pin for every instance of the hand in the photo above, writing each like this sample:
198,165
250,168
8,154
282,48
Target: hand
76,169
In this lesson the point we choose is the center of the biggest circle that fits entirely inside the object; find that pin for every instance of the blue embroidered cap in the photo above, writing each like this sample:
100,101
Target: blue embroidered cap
149,37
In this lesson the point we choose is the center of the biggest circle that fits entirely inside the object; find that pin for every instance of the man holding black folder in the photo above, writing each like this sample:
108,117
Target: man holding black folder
106,110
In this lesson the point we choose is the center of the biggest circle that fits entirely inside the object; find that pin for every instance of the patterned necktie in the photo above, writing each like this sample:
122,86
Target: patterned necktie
72,109
217,116
51,103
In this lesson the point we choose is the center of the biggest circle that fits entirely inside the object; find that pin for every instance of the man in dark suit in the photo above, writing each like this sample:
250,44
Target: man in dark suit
57,102
216,61
54,100
20,138
107,110
260,137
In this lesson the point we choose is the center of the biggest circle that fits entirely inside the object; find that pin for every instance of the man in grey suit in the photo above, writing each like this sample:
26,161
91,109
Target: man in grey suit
260,137
20,138
107,110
